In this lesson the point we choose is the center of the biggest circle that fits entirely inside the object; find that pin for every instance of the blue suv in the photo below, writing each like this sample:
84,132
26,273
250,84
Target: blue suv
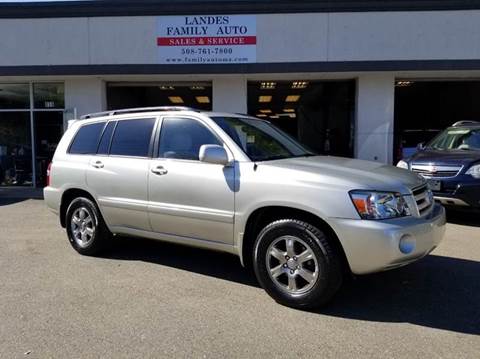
451,164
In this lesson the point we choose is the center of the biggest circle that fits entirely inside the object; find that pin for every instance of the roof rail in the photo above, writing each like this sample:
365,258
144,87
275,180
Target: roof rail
138,109
463,123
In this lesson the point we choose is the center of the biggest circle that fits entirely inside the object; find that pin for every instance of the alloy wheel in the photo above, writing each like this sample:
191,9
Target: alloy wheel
292,265
82,226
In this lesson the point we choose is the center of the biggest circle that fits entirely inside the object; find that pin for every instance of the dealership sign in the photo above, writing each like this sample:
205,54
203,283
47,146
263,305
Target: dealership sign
207,39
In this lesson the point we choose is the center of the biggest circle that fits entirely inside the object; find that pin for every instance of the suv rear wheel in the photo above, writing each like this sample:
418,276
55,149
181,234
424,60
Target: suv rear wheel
86,229
295,263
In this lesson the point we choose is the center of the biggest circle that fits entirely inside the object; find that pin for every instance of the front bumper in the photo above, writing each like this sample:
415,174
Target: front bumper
373,246
466,195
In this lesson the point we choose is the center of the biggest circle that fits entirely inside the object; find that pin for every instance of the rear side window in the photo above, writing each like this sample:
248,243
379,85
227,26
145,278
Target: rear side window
132,137
106,137
86,139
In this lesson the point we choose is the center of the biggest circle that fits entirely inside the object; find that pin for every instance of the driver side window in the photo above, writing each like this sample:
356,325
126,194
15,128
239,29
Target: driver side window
181,138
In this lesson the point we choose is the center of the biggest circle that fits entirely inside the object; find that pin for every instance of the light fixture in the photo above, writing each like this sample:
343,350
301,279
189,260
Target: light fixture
274,116
403,83
268,85
175,99
197,88
292,98
202,99
299,84
265,111
166,88
264,98
290,115
288,110
261,115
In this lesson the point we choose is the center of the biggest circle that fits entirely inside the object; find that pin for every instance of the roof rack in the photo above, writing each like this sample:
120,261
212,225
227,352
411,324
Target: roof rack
138,109
463,123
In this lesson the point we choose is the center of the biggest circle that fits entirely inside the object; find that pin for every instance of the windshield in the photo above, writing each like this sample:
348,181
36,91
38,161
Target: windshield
457,139
260,140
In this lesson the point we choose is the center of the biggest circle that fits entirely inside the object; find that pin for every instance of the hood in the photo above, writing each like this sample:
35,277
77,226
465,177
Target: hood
350,173
445,157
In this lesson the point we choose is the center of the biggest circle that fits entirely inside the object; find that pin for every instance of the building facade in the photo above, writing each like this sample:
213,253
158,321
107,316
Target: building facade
364,79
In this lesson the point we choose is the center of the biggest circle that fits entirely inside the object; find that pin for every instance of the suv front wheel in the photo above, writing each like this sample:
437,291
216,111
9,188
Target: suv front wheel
86,229
296,264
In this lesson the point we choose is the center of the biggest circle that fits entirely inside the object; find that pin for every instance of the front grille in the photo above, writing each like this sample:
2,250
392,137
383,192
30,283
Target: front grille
423,199
436,171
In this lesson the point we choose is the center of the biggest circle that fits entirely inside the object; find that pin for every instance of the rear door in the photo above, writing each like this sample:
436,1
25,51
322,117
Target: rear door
118,174
189,198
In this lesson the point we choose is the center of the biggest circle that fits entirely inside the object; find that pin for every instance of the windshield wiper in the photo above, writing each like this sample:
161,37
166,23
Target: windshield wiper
282,157
304,155
271,158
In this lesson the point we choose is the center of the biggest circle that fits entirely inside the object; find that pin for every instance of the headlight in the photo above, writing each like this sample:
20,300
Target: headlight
474,171
379,205
402,164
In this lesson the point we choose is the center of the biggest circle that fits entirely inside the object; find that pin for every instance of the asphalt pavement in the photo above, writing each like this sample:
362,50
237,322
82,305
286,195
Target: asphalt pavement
152,299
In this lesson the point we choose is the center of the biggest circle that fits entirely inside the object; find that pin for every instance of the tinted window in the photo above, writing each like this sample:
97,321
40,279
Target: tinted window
132,137
86,139
182,138
105,141
457,138
260,140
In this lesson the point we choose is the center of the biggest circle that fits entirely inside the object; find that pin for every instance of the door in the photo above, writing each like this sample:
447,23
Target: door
118,174
48,127
187,197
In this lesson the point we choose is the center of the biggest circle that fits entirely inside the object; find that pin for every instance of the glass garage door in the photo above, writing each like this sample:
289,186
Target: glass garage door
320,114
129,94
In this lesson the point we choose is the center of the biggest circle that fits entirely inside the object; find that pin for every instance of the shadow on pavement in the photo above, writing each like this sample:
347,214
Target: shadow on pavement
464,218
215,264
8,201
437,292
12,195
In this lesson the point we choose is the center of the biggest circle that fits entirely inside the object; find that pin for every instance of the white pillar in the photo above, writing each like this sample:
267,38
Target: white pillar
374,120
230,94
86,95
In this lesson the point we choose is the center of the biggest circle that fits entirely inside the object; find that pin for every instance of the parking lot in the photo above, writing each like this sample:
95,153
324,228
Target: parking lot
151,299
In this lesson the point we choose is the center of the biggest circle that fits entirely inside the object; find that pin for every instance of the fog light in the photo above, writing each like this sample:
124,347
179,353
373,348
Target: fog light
406,244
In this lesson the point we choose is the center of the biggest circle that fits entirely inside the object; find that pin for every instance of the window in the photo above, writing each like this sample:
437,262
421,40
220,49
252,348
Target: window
132,137
14,96
106,137
457,139
260,140
15,149
182,138
48,95
86,139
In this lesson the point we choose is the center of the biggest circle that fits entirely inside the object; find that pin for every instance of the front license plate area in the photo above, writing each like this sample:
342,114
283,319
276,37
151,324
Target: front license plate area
435,185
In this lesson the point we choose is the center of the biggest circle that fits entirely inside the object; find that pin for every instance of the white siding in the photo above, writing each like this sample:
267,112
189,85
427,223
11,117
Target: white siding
281,38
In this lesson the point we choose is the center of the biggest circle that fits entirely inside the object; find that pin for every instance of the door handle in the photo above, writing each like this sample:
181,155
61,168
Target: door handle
98,164
159,170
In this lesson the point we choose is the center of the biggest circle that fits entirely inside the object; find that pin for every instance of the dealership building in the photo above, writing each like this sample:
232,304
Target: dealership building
366,79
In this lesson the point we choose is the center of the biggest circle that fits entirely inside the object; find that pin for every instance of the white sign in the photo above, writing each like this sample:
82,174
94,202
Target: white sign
207,39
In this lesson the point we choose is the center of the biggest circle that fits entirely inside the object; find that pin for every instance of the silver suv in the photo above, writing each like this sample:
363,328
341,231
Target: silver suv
238,184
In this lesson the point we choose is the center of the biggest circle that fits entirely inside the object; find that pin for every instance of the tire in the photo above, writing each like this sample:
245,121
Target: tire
86,228
296,264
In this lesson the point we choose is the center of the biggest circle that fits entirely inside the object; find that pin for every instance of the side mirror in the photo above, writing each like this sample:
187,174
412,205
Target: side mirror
213,154
421,146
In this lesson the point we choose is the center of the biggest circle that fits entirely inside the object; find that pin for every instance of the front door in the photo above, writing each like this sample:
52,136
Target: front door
189,198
